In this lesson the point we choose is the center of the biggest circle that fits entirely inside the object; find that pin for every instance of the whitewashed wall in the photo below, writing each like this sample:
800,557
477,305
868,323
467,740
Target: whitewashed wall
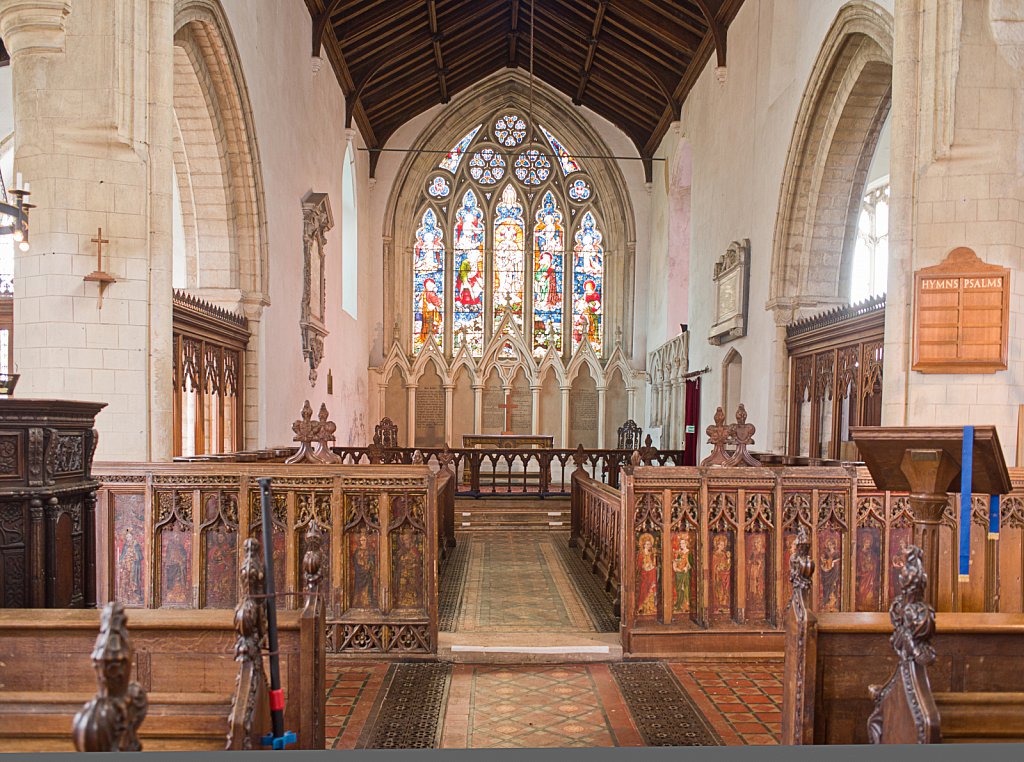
739,133
300,128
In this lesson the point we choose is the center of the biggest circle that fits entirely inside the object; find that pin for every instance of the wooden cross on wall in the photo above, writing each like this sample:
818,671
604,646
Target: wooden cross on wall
98,275
508,407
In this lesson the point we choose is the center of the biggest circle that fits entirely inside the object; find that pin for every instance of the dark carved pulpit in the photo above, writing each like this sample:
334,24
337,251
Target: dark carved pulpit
47,503
926,462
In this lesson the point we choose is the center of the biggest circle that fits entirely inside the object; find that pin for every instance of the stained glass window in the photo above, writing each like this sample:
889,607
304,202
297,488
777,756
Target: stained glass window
509,238
428,282
548,255
510,130
468,296
533,167
439,187
511,219
587,284
454,157
487,166
565,159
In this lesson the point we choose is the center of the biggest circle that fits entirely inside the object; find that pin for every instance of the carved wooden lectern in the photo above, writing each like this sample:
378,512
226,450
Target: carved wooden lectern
926,461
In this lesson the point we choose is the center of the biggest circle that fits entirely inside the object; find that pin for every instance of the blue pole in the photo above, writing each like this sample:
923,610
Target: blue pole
966,474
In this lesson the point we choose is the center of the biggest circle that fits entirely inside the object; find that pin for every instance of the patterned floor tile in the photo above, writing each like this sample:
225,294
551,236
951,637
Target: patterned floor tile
539,706
742,701
517,582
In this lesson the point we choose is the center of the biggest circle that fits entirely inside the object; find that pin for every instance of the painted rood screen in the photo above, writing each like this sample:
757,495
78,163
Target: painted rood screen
462,291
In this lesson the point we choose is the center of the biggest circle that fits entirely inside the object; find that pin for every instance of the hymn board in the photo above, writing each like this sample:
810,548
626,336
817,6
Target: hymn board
961,315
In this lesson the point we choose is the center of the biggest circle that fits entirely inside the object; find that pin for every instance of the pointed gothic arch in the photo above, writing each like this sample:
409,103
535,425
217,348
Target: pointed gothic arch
510,91
844,106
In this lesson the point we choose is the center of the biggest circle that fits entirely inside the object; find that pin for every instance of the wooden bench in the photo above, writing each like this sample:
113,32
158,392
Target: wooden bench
831,659
905,708
183,659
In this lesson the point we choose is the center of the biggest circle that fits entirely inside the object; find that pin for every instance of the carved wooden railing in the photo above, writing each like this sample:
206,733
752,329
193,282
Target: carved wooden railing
482,472
707,549
249,710
595,529
170,536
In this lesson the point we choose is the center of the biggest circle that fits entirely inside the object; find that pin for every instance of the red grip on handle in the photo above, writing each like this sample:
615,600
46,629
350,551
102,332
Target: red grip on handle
277,700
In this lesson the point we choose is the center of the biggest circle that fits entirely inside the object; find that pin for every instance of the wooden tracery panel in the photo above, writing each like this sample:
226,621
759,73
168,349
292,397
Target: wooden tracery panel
835,379
209,358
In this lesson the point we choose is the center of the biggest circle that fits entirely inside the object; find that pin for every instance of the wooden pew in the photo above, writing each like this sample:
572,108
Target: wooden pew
185,660
905,708
831,659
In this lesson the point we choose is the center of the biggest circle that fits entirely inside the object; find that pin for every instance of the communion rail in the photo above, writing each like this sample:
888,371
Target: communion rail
484,471
703,553
170,535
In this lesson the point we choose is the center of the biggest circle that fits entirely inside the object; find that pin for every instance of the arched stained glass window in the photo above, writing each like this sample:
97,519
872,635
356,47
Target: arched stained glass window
512,217
428,278
468,237
548,256
454,158
587,284
509,237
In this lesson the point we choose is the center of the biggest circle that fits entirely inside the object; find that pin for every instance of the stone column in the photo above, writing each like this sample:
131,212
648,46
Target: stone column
93,134
631,403
535,418
478,408
601,393
410,414
449,401
565,417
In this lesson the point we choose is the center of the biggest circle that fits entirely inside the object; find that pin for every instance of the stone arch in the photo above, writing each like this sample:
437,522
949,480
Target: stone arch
510,89
844,106
219,181
216,162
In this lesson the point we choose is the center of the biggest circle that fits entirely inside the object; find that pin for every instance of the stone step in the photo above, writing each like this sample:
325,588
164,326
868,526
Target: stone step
509,514
525,648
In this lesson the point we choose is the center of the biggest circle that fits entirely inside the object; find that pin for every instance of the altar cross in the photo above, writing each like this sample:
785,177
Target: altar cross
508,407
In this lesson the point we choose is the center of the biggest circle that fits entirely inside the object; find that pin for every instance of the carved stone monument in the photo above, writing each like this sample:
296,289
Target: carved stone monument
732,275
316,221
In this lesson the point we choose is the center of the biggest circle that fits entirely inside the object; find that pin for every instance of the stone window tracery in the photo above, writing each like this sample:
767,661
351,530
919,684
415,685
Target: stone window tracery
506,224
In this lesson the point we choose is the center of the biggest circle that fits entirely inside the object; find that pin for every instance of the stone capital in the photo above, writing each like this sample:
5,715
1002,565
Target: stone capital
33,26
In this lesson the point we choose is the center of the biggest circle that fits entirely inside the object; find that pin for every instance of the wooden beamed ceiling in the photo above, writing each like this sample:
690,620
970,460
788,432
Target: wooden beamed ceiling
631,61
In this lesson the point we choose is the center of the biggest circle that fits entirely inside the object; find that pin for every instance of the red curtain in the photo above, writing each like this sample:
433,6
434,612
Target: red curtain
691,422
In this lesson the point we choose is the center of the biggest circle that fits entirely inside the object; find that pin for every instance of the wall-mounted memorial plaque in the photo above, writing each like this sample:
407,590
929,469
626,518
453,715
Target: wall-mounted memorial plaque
961,315
731,279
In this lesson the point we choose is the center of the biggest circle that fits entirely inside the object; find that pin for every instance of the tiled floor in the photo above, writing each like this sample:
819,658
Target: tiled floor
743,701
351,690
569,705
518,582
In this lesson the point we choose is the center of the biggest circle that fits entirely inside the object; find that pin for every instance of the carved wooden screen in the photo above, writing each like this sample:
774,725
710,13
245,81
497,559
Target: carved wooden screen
835,379
209,358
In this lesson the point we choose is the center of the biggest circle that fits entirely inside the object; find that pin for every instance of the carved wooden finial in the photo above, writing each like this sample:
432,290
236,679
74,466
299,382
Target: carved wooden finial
446,457
110,722
801,569
719,435
324,436
306,431
248,705
417,458
913,620
634,461
648,452
579,457
312,560
742,437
